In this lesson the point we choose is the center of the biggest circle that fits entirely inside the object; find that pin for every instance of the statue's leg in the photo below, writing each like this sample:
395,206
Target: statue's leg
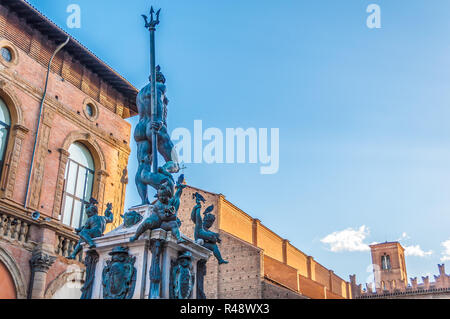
152,179
167,150
177,234
75,251
151,223
144,157
87,235
141,187
216,251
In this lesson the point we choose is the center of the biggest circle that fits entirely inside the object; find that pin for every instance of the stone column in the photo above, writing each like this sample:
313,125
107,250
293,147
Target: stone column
40,263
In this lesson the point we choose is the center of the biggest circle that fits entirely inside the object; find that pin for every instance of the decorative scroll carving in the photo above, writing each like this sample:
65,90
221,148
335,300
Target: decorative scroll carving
18,135
201,273
90,262
155,270
38,174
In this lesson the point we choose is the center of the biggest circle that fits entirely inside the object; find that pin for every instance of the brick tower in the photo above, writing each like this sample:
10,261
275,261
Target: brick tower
388,260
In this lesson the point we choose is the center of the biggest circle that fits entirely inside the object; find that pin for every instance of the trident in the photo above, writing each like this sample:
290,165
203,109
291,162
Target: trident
151,26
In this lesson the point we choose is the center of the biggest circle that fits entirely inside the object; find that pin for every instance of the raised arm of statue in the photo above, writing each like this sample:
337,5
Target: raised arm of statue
176,198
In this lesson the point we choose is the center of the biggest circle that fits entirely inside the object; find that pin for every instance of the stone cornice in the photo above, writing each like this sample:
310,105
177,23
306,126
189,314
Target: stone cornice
102,173
21,128
63,152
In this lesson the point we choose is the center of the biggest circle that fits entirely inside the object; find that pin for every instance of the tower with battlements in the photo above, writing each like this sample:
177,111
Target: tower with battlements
389,267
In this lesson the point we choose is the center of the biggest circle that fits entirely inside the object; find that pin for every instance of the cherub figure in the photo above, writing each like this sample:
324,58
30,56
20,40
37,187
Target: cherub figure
164,212
202,234
94,226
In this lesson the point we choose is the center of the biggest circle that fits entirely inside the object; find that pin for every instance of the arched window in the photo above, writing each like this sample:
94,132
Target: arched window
79,180
5,124
385,262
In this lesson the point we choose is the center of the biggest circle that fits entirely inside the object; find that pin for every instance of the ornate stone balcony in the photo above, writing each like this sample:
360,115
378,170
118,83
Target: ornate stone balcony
14,228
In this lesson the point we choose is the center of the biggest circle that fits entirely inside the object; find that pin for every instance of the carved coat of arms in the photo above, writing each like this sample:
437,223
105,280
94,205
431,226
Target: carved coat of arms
119,275
182,277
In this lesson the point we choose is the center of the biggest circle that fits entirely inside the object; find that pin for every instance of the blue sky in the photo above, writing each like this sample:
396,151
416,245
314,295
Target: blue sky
363,113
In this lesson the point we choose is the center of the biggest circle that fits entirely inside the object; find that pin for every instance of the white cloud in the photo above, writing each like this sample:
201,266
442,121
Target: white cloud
446,253
404,237
416,251
348,240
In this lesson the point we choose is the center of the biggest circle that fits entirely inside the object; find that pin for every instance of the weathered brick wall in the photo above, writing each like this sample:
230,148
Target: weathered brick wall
273,291
241,278
311,289
281,273
236,222
270,242
338,286
320,274
297,259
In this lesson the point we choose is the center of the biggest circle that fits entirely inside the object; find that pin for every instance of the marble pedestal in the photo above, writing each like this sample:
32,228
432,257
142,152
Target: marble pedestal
142,251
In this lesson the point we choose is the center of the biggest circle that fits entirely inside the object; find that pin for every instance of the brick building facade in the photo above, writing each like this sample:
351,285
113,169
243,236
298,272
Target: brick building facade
84,111
262,264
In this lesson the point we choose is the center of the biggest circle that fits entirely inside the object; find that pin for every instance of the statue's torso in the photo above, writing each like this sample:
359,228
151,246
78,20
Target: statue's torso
144,102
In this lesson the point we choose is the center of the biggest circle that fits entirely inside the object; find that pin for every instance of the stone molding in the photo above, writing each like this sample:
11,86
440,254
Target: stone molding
16,273
15,141
14,53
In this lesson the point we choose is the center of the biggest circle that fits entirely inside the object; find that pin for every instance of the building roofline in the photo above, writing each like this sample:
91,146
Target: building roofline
387,243
43,24
202,190
276,283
